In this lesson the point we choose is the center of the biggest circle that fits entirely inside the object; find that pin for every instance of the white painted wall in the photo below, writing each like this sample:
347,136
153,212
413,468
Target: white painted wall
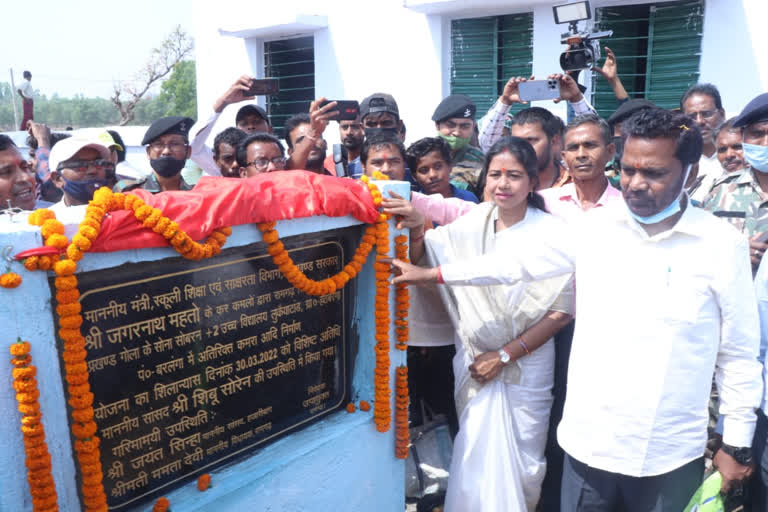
403,47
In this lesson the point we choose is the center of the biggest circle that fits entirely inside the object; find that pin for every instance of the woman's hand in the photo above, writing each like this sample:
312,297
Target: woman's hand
412,274
486,367
406,215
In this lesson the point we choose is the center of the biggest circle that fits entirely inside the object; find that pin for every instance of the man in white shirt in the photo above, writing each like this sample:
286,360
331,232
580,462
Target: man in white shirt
27,102
702,103
648,337
250,118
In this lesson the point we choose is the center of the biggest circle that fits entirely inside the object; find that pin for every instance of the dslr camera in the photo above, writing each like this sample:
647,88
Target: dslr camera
583,50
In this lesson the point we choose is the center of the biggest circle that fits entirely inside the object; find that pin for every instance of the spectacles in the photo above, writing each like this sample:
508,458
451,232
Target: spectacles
83,165
705,114
262,163
173,147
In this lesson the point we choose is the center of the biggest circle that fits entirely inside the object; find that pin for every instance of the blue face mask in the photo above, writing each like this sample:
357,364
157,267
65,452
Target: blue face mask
757,156
670,210
82,191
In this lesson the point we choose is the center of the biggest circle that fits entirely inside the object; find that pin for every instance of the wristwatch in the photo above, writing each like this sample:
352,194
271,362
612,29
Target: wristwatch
504,356
742,455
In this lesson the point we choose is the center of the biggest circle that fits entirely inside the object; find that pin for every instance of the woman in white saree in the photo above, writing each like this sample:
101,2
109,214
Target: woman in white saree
504,364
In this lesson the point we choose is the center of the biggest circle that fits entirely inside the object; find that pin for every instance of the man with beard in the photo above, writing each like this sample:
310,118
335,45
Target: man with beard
345,159
17,178
168,148
634,424
702,103
305,144
542,131
225,151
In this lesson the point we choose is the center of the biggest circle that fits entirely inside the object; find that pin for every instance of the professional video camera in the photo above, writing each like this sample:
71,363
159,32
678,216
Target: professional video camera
583,50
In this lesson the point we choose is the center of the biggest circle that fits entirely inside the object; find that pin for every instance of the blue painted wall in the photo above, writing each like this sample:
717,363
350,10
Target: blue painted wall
338,464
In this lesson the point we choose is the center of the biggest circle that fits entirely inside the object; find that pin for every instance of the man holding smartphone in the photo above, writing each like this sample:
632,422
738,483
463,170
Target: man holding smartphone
250,118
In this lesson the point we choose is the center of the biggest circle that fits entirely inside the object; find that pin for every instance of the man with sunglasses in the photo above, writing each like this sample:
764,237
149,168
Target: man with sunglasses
79,167
702,103
167,146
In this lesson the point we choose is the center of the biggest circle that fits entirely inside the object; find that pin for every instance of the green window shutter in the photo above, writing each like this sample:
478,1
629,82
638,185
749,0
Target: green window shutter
674,51
292,62
657,47
486,52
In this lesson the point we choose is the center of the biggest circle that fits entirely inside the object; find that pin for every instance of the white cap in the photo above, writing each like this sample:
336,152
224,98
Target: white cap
65,149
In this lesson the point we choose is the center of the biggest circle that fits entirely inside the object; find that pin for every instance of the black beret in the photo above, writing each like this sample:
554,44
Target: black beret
167,125
251,109
455,105
755,112
628,108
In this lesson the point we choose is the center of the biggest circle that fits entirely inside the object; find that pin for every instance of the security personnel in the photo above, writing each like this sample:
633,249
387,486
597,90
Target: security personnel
167,146
454,119
741,197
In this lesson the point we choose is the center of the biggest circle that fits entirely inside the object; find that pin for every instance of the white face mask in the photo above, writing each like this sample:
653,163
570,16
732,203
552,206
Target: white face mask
757,156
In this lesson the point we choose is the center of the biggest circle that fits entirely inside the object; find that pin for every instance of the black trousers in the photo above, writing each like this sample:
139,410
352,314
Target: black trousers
587,489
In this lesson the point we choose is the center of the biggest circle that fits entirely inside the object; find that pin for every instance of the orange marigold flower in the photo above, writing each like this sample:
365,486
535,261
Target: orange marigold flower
67,309
161,225
10,280
28,372
351,407
64,267
161,505
57,240
365,406
65,283
203,482
74,253
30,263
67,296
71,322
20,348
83,430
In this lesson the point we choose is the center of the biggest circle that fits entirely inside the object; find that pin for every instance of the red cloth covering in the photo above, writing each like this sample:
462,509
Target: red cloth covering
218,202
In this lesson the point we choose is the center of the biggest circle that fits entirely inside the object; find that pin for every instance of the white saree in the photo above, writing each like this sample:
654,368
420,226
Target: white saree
498,458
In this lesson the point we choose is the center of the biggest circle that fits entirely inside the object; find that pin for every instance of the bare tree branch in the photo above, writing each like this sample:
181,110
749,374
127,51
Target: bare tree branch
127,95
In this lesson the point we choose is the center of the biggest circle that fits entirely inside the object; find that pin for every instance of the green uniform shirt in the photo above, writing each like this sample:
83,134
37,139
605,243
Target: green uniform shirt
467,164
737,198
149,184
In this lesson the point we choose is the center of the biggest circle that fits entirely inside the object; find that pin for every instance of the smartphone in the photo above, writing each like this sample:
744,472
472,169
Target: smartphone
263,87
348,109
534,90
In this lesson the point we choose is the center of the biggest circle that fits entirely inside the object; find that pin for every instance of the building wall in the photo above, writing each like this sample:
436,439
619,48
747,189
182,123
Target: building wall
403,47
338,463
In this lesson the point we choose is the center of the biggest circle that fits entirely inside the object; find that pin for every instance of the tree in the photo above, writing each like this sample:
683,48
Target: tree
174,49
179,92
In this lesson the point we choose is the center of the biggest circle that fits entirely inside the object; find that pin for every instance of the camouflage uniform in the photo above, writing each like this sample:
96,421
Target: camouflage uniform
467,163
149,184
737,198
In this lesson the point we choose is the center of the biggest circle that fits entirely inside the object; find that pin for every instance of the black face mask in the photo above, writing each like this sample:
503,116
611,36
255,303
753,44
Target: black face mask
167,166
619,143
372,132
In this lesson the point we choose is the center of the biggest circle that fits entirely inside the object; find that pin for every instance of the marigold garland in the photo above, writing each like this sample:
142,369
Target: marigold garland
70,319
38,460
401,297
402,436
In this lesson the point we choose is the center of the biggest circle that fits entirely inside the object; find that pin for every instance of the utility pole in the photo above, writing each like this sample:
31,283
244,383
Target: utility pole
13,100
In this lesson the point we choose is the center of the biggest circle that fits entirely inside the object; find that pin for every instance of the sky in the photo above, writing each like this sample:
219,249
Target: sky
84,46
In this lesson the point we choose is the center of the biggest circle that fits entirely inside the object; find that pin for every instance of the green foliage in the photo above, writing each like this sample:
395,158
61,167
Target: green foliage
178,97
179,92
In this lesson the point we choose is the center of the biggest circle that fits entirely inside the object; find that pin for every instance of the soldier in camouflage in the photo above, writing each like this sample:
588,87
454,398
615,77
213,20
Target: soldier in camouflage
454,119
167,146
742,197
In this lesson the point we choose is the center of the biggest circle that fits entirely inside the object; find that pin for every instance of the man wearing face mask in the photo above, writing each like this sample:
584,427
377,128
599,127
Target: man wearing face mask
167,146
744,202
634,432
454,119
79,167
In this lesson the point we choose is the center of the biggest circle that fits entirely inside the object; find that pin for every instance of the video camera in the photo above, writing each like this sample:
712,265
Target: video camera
583,50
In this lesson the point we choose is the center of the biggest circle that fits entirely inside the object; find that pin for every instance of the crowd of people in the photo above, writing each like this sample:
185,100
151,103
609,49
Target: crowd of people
595,278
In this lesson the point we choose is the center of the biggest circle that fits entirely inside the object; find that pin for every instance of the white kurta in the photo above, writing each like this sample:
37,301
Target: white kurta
498,458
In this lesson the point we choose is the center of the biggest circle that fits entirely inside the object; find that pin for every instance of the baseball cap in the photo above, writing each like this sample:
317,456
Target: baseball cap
67,148
251,109
379,102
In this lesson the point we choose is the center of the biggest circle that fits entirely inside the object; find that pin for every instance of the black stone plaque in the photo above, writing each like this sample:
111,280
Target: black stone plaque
193,364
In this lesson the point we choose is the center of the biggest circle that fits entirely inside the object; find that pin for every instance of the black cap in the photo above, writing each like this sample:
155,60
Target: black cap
379,102
455,105
251,109
628,108
755,112
165,125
